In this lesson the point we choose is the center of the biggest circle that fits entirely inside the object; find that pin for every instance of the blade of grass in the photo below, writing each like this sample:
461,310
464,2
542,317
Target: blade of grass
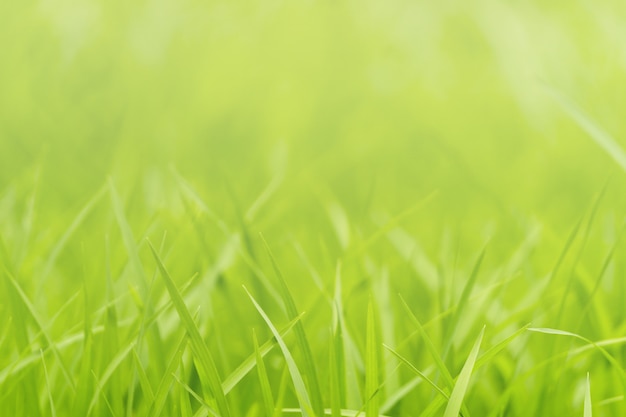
30,309
371,367
106,375
337,370
162,391
207,366
144,381
588,410
53,409
296,376
417,371
462,383
266,389
604,352
250,362
302,341
460,307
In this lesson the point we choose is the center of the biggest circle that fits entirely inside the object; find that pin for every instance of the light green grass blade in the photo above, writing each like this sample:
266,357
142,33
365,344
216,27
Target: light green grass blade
430,346
160,396
605,353
296,376
336,371
53,410
249,363
371,366
127,237
462,383
417,372
588,410
395,397
209,373
349,380
460,307
106,375
266,389
492,352
303,344
84,385
30,309
144,381
207,407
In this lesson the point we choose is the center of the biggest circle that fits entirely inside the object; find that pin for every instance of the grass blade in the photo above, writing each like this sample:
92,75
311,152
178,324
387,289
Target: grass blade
296,376
460,388
266,389
467,290
303,344
161,393
371,367
588,410
417,372
207,368
249,363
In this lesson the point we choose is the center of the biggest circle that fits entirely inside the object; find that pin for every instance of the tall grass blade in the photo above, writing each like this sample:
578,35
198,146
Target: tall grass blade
309,369
296,376
462,383
371,366
588,410
207,368
266,389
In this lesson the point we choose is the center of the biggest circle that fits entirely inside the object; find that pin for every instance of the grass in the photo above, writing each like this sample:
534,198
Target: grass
312,208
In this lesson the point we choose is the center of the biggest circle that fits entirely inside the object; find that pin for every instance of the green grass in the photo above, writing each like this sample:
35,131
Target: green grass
398,208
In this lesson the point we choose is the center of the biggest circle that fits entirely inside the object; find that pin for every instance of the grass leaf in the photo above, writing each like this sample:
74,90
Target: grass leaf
207,368
462,383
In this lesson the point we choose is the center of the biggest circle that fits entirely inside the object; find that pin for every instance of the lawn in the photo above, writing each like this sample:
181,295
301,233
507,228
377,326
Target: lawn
275,208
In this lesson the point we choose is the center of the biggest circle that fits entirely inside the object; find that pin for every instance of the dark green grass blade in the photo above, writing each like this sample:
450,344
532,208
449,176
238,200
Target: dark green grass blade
309,370
205,360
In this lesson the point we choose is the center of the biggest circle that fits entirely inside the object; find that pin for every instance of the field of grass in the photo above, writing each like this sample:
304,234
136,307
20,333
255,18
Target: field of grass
275,208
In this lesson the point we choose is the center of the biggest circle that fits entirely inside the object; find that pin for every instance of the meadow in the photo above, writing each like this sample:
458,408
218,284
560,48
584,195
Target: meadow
376,208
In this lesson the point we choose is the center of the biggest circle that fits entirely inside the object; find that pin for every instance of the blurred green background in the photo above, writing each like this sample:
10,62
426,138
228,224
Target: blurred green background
314,122
379,102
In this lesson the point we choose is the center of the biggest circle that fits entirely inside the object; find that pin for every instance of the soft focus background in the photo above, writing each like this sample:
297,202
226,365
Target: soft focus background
384,142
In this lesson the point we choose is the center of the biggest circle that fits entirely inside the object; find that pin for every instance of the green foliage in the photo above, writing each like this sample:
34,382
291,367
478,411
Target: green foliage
431,177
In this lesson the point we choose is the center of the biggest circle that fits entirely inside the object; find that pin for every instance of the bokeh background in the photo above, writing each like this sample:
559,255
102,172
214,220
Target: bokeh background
315,123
